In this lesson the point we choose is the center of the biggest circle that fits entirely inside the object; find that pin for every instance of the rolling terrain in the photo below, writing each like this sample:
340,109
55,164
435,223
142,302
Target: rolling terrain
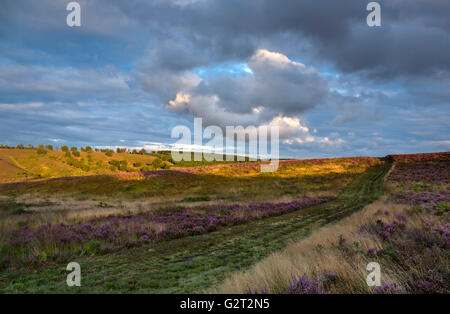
183,230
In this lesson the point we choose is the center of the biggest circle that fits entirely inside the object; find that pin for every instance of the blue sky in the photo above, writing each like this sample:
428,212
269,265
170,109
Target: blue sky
136,69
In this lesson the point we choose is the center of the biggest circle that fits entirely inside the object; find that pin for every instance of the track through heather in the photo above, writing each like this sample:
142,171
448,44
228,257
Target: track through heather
195,264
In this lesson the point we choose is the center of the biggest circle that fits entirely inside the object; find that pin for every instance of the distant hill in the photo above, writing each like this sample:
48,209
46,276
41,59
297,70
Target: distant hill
18,164
22,164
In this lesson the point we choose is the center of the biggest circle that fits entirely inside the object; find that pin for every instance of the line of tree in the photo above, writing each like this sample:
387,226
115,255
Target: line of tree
19,146
86,149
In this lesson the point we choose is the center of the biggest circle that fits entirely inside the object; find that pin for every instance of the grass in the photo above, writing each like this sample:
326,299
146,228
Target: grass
317,254
198,263
78,199
413,254
27,164
342,250
31,165
231,182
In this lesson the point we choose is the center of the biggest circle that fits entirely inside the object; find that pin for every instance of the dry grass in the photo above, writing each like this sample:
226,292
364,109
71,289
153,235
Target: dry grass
317,254
69,210
57,209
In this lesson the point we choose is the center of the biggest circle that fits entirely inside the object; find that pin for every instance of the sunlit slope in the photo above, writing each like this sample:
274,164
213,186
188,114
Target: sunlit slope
21,164
31,164
234,182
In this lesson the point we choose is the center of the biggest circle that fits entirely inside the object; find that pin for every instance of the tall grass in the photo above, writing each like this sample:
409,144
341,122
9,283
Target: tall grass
345,248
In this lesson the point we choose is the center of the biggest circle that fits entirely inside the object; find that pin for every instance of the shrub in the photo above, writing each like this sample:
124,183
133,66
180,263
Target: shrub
442,206
197,198
64,148
41,150
165,166
123,165
156,163
76,153
100,164
91,247
85,167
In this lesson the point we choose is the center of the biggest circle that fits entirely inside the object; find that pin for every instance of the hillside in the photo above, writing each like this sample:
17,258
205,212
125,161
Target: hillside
230,228
32,163
22,164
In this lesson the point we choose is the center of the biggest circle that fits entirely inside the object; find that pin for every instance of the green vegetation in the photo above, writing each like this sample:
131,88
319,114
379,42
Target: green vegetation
97,183
41,150
197,263
201,198
47,161
239,182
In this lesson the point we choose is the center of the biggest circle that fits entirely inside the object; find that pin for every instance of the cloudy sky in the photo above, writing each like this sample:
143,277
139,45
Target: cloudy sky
135,69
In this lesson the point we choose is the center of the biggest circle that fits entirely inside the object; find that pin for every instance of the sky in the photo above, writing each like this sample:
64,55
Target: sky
136,69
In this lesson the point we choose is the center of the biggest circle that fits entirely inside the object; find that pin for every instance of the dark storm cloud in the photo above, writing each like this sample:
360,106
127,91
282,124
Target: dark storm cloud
414,38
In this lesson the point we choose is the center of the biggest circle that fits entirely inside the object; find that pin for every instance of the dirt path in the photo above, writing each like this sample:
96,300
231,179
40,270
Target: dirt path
195,264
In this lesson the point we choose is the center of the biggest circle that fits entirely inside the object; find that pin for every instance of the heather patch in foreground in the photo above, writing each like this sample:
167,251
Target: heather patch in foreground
107,234
413,251
198,263
425,185
410,239
302,285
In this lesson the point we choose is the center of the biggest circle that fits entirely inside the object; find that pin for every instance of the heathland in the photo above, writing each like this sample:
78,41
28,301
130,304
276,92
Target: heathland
135,225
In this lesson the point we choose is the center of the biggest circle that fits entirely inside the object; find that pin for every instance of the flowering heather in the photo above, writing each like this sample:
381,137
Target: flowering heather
304,285
425,172
424,184
433,282
425,199
387,288
301,285
420,157
118,231
411,245
444,232
387,229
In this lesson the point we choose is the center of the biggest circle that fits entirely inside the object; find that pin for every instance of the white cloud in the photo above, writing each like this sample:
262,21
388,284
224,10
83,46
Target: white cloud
19,107
277,90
